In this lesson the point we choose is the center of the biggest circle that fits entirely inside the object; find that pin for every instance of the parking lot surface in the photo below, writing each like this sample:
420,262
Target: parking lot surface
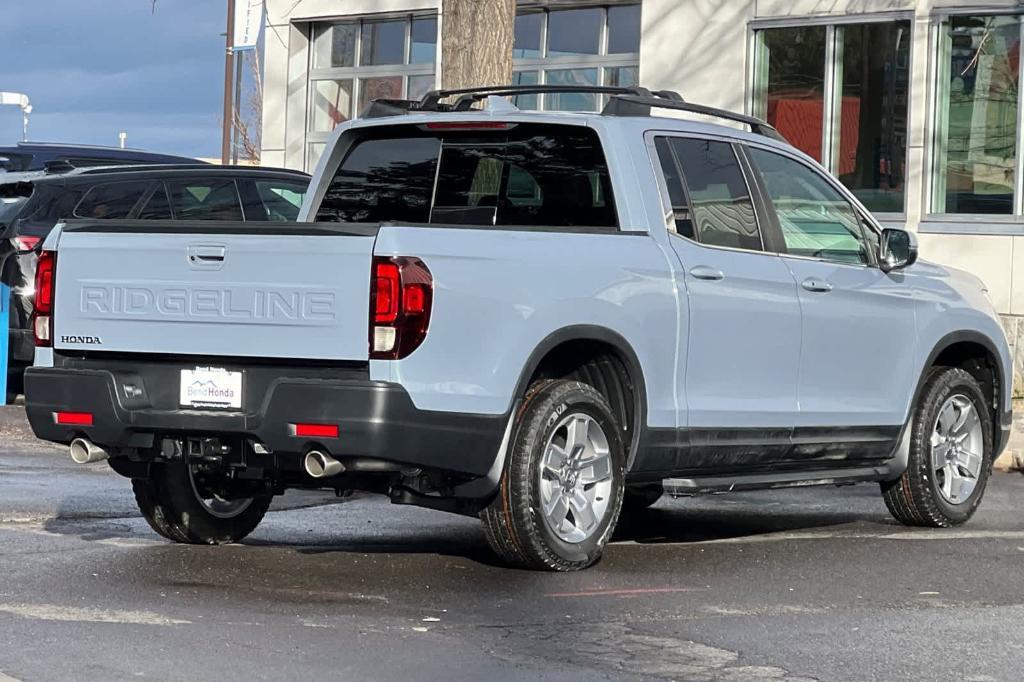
784,585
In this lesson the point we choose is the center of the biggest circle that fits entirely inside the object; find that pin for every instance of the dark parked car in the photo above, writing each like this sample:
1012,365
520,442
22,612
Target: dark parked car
30,209
33,156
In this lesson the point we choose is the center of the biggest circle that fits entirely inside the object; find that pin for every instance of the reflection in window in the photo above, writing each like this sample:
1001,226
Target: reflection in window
332,103
383,43
872,134
423,41
816,220
723,214
525,78
572,101
795,87
574,32
978,106
112,200
527,35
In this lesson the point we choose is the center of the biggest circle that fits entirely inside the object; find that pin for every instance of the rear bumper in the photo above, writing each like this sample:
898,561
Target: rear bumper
376,419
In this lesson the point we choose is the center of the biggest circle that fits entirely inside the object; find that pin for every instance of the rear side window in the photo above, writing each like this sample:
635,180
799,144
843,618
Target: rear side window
715,191
272,199
527,175
157,206
111,200
211,199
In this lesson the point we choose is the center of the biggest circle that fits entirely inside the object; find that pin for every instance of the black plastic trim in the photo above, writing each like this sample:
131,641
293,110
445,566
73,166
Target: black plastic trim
377,420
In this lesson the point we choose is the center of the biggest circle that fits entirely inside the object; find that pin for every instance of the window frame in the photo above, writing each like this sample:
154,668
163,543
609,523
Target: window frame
764,226
935,221
832,94
601,61
865,218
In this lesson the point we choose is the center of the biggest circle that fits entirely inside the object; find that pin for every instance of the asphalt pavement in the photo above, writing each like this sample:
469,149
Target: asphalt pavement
784,585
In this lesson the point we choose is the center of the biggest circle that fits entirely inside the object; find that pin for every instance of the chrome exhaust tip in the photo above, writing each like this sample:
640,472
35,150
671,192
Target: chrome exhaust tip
84,451
321,465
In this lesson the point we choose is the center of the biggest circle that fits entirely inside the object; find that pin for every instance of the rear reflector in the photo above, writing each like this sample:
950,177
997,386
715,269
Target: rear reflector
73,418
315,430
26,243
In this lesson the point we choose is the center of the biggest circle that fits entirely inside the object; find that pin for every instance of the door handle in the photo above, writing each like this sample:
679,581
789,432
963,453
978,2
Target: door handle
815,284
206,256
706,273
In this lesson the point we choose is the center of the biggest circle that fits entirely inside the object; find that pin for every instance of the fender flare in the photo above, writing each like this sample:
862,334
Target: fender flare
587,332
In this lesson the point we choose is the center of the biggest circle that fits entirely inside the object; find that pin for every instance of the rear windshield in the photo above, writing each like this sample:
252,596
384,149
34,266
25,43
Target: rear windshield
526,175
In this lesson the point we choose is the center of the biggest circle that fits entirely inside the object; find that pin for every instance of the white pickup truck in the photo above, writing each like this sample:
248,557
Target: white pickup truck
537,318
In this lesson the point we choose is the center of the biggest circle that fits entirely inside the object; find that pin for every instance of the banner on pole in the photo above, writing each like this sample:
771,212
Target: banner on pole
248,23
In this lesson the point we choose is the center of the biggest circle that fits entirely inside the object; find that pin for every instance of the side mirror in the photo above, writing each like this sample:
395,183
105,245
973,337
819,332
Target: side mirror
898,249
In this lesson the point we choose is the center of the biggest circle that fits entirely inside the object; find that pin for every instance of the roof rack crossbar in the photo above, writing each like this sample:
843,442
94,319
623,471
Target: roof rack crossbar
465,96
630,105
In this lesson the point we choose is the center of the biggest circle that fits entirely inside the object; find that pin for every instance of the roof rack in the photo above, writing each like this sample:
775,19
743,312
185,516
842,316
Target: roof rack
631,105
624,101
466,97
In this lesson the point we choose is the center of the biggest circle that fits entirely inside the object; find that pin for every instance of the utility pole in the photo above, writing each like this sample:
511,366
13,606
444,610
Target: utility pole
229,72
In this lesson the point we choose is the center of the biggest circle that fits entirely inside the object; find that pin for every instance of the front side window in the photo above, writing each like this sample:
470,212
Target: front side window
111,200
720,211
977,149
815,219
575,46
529,175
859,133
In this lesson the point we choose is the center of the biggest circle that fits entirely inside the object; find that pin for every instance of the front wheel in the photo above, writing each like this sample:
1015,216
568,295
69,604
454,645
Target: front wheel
562,486
950,454
182,505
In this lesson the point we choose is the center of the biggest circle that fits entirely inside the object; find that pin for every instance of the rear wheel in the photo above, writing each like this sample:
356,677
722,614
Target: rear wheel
950,454
181,505
562,486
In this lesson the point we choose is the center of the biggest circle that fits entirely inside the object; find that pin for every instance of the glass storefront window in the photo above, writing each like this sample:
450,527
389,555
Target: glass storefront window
423,42
334,45
527,35
624,29
859,132
572,101
872,131
977,105
383,43
353,62
575,32
579,46
794,90
332,104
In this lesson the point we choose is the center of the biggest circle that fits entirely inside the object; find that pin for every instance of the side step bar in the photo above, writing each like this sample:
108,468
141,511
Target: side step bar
782,479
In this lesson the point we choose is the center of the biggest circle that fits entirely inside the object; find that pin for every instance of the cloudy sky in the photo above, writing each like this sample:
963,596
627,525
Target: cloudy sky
94,67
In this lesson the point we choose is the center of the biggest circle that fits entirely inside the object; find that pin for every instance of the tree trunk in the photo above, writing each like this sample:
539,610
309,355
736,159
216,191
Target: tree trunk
476,42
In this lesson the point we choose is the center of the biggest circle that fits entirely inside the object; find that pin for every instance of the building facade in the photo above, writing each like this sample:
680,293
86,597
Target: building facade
913,104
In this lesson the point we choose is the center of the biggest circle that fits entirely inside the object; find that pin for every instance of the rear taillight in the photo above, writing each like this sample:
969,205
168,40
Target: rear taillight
42,313
401,290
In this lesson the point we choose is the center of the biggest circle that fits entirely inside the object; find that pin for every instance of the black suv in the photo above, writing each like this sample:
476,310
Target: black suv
34,156
30,209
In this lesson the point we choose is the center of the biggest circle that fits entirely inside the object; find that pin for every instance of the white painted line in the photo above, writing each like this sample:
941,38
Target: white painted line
923,534
54,612
8,678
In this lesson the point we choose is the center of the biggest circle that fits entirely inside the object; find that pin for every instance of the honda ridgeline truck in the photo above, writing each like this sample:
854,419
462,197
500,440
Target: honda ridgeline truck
537,318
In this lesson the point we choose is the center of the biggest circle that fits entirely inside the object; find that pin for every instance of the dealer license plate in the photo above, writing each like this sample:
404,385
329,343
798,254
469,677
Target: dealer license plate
211,387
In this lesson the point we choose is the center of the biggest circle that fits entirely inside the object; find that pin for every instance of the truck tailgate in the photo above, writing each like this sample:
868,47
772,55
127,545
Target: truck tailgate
275,290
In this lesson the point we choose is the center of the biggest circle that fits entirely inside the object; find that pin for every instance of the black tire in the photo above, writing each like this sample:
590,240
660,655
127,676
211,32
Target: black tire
172,508
514,521
914,499
640,497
